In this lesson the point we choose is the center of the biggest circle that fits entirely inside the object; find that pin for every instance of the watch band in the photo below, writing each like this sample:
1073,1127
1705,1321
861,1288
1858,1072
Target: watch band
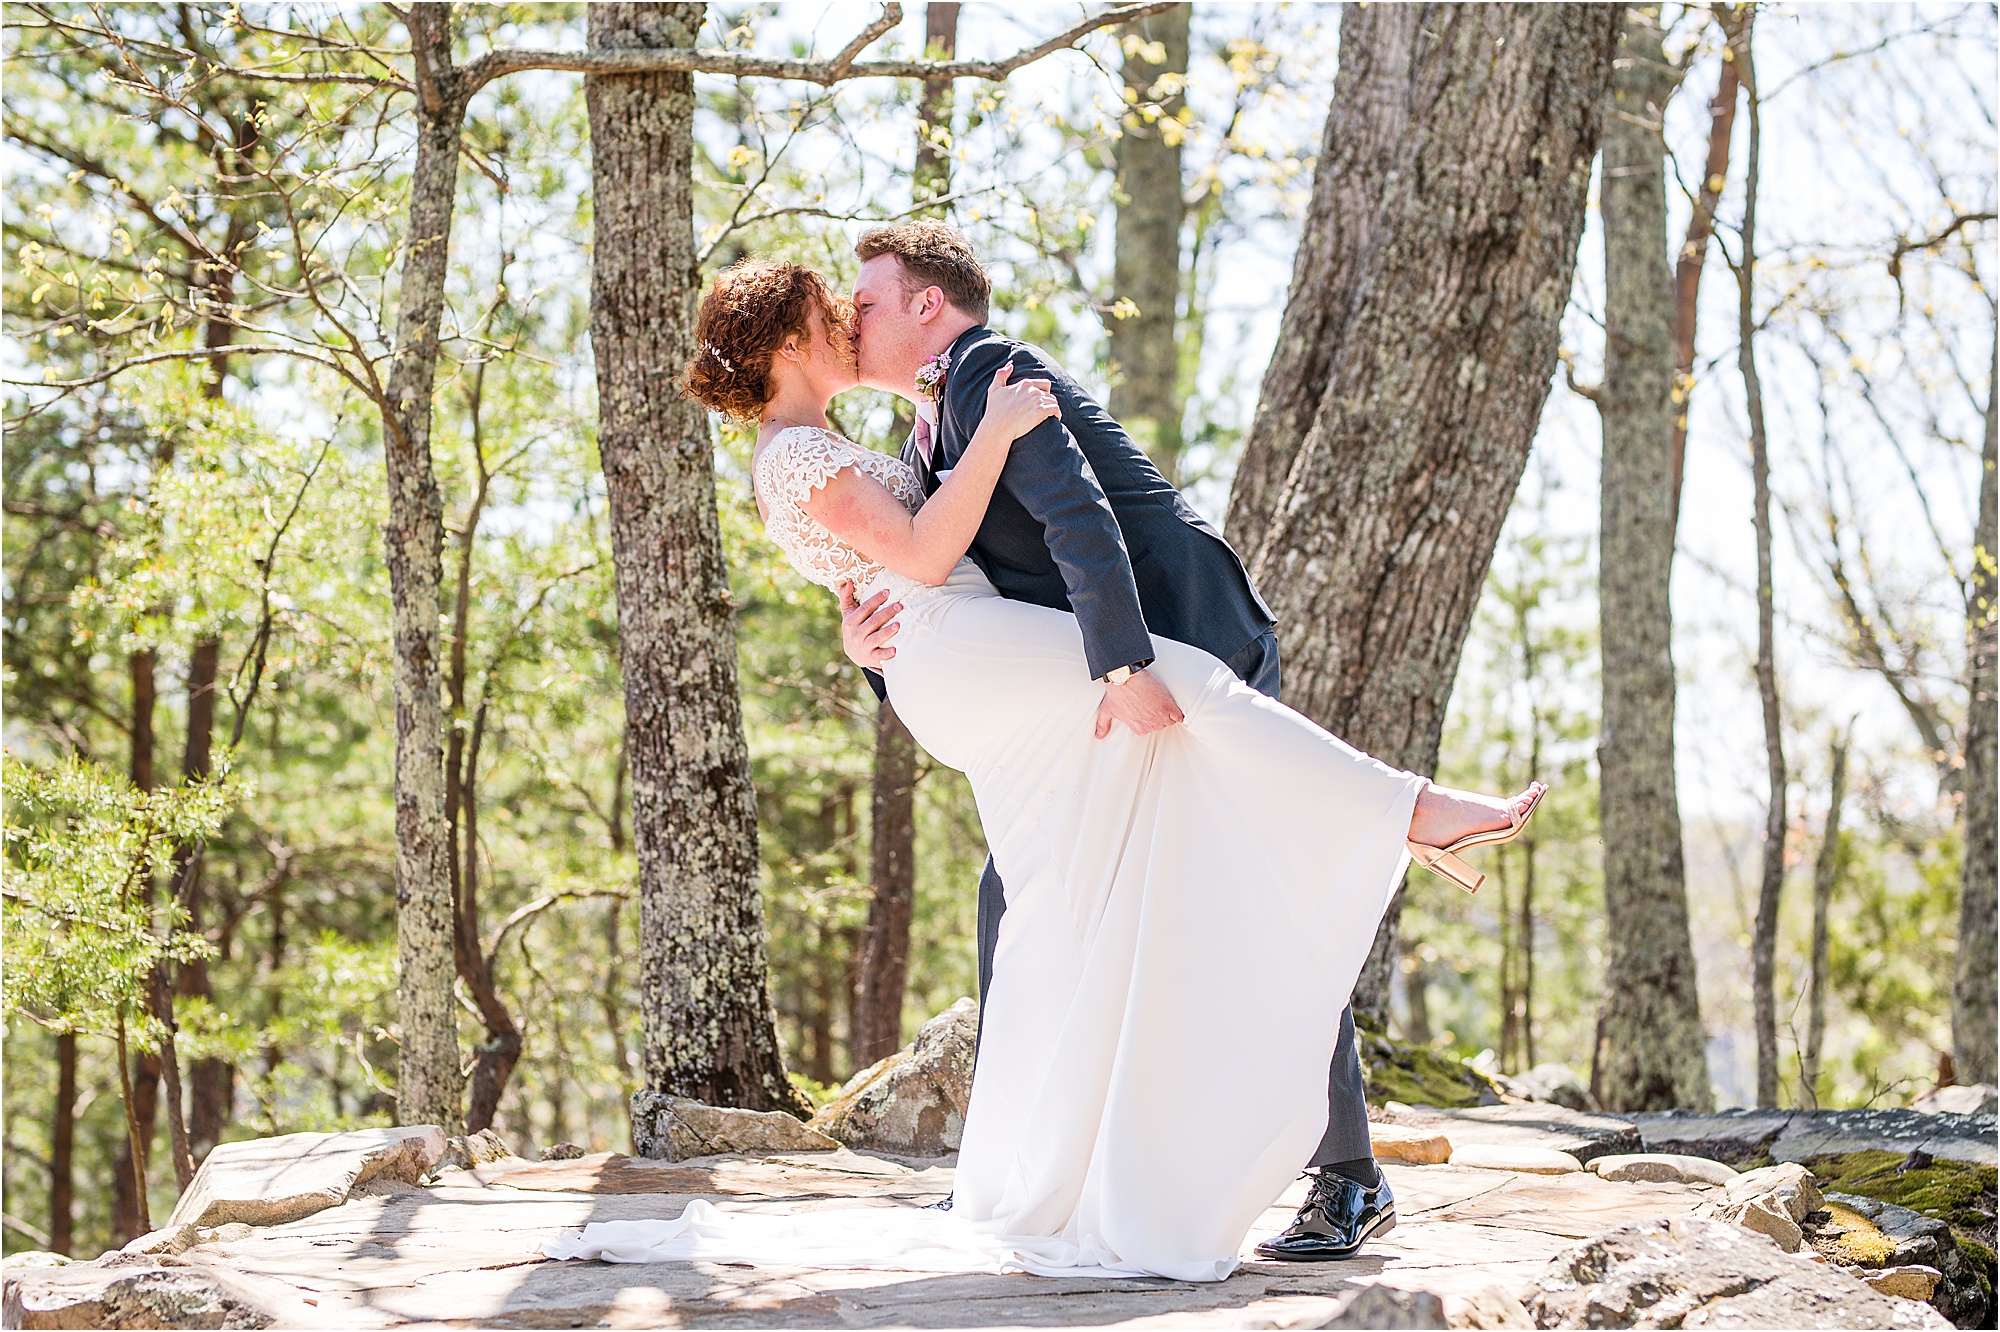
1120,674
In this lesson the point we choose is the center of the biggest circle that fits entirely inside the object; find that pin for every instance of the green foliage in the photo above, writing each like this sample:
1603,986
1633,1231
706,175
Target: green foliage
82,929
1525,705
1889,960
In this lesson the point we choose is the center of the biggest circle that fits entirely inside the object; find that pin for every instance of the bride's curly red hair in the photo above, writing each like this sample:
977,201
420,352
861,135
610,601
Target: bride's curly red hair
747,315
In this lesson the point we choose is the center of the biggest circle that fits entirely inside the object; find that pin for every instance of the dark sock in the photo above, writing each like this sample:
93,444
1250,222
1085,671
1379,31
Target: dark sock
1361,1170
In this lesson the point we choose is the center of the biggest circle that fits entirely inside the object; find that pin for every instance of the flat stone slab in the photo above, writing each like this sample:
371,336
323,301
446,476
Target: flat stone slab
269,1181
1729,1136
1542,1208
1737,1136
838,1174
461,1251
1582,1134
1524,1160
1969,1138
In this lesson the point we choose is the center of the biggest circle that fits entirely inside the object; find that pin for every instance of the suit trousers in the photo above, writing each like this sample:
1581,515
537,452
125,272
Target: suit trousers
1346,1137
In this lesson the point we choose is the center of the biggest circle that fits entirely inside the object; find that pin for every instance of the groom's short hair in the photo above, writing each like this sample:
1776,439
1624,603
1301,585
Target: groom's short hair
934,254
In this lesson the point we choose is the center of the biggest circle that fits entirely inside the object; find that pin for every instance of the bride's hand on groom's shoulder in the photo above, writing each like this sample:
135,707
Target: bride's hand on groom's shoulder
867,626
1013,409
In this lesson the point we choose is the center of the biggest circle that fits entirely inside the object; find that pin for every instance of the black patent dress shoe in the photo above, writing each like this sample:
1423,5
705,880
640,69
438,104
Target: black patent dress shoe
1339,1216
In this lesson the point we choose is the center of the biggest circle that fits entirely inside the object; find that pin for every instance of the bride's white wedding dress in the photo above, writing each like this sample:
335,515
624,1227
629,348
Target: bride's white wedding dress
1186,915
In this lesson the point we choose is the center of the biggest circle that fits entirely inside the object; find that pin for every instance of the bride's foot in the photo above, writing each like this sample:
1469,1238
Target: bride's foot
1447,821
1444,815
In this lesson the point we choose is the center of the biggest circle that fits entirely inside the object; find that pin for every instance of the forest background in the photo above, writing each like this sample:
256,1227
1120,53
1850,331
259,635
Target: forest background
199,598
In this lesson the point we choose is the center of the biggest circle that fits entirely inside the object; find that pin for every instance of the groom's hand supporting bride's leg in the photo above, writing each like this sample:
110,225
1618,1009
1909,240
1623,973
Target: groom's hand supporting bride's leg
1142,703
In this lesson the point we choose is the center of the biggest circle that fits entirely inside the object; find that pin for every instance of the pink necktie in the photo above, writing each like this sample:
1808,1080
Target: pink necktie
924,440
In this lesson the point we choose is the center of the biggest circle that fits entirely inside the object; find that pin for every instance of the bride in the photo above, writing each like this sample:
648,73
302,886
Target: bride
1187,910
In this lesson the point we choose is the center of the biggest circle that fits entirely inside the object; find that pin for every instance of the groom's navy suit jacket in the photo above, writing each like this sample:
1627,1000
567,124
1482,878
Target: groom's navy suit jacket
1083,521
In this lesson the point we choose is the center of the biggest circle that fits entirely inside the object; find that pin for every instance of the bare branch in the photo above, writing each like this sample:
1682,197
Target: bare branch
521,915
188,354
892,14
1589,392
833,215
825,72
1907,245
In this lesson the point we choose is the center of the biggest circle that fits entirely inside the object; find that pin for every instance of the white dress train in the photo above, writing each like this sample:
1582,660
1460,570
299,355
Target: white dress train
1186,915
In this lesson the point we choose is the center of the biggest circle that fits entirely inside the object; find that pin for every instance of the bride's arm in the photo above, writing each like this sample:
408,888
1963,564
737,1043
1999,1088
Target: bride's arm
927,545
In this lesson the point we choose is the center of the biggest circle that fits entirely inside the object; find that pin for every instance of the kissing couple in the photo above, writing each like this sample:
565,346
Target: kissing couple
1186,875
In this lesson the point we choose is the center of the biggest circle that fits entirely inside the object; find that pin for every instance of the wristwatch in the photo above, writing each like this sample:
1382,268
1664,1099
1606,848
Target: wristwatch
1123,673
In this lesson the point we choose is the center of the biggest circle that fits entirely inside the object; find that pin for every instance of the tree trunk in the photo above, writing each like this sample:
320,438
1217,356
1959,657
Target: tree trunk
1510,1012
1764,939
932,177
885,949
1416,991
139,1083
428,1082
1146,269
161,1001
145,698
1525,932
1417,344
708,1024
1694,249
62,1148
130,1210
1652,1056
493,1062
211,1081
131,1213
1825,873
1973,1036
881,970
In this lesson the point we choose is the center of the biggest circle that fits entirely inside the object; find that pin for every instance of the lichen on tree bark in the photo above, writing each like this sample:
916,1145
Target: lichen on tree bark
1973,1036
1650,1054
1414,357
707,1022
428,1086
1146,268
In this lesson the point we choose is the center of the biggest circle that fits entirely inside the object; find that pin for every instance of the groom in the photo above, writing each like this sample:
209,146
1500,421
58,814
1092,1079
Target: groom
1082,521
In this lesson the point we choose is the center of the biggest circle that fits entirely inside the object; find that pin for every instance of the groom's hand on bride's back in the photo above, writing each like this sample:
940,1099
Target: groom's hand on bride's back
1142,703
867,626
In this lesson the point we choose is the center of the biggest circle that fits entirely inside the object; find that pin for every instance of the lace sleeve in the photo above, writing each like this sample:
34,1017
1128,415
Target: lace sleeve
803,460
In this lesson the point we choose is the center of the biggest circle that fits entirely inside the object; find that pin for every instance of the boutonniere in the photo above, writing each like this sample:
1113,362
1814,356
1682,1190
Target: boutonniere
930,376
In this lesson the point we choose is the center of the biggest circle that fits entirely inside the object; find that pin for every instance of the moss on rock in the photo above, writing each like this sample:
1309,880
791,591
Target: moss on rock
1419,1075
1860,1242
1955,1192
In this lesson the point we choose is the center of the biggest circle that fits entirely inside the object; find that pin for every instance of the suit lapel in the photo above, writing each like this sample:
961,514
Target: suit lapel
950,438
913,458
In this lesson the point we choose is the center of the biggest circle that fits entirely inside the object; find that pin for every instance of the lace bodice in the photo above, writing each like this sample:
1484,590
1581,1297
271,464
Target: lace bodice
798,461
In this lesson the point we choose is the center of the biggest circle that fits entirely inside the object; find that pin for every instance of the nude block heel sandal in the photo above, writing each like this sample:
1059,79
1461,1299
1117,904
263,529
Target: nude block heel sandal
1444,859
